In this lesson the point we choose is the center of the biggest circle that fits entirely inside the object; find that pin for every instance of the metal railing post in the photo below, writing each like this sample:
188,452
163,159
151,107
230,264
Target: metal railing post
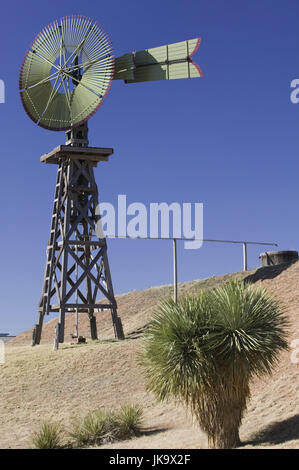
244,256
175,272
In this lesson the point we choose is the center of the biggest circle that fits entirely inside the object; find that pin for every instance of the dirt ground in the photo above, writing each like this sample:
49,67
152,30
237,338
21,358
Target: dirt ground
40,384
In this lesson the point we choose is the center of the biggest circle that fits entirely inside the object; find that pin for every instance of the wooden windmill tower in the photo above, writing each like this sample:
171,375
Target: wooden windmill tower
64,78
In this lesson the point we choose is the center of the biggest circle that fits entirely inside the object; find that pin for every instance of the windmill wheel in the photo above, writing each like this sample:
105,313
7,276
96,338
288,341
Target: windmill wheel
66,73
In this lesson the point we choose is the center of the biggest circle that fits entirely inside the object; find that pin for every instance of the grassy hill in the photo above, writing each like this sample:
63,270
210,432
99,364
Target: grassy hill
41,384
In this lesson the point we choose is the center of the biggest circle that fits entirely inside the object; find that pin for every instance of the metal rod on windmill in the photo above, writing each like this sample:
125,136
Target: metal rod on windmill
65,76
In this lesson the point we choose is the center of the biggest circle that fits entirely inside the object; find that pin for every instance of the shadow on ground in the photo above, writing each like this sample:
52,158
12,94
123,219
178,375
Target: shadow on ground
137,333
267,272
277,433
152,431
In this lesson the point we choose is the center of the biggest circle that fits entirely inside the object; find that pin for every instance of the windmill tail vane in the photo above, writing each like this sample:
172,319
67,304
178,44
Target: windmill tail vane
168,62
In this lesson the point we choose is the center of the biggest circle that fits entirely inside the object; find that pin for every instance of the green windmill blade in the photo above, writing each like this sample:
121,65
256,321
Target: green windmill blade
66,73
168,62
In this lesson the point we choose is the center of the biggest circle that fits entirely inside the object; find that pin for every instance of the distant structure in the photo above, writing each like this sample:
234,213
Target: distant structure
272,258
5,337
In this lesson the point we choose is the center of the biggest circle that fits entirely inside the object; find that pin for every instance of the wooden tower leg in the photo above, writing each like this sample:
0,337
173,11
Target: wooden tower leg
92,318
44,301
75,255
93,327
117,324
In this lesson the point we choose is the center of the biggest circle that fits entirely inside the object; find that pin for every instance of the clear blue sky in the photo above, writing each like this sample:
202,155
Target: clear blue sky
229,140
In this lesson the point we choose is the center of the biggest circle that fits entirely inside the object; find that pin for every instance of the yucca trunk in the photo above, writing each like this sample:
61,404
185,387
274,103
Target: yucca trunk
220,414
228,439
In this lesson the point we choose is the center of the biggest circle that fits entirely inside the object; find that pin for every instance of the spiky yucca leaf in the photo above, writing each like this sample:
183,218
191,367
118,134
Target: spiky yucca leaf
248,328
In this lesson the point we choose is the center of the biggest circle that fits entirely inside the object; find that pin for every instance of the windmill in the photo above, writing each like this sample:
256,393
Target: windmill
65,76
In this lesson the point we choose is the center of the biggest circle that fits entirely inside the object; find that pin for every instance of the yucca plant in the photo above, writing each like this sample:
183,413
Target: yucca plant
97,426
129,421
48,436
204,350
104,425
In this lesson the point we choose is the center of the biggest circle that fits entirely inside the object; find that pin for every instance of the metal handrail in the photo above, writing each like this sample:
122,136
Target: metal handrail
175,239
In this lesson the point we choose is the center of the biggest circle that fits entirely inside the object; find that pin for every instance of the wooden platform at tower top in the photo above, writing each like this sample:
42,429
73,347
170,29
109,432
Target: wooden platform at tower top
93,155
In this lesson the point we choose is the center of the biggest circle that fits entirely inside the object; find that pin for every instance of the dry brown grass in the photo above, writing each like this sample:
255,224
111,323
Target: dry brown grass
40,384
